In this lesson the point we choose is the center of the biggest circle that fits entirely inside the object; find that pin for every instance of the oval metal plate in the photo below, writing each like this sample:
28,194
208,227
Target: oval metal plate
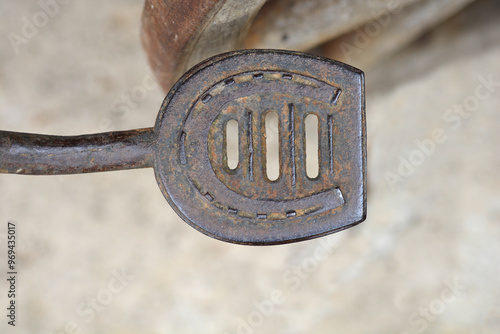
242,205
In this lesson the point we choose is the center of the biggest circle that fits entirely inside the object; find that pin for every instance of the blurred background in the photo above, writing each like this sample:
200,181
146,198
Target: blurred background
105,253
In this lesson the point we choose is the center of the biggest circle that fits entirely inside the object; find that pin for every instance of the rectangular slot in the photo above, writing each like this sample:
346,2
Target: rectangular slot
312,146
232,144
272,147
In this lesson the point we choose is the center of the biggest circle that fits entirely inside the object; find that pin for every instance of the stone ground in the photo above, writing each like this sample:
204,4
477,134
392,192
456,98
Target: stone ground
425,261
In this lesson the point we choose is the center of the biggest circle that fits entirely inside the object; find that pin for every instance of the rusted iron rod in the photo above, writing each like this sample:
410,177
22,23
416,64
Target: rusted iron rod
188,147
26,153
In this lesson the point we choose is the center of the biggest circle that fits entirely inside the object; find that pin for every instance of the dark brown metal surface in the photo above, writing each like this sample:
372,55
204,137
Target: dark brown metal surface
243,205
26,153
187,148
